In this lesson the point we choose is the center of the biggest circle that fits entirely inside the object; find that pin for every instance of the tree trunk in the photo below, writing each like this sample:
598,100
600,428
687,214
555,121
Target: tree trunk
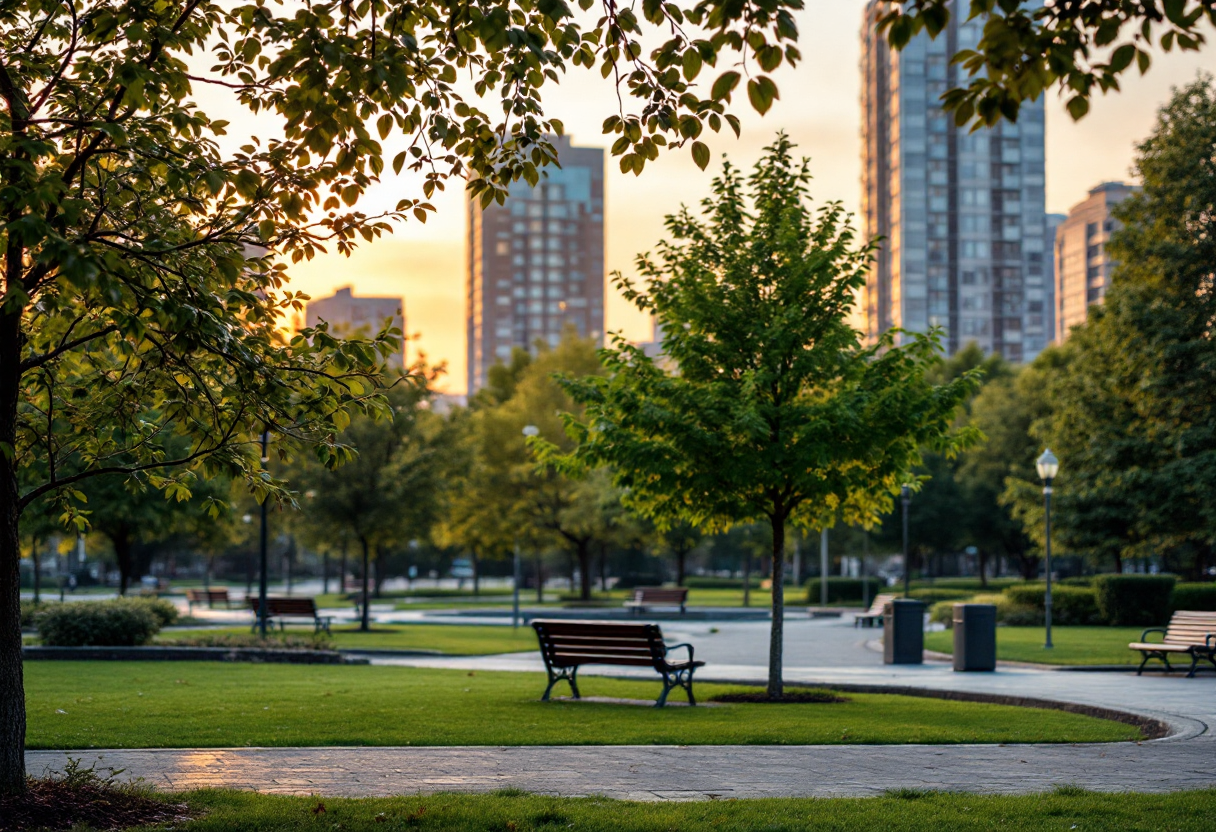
122,553
603,567
37,559
325,571
12,682
983,569
681,556
776,640
380,573
540,580
342,571
584,570
476,573
365,620
1118,564
747,579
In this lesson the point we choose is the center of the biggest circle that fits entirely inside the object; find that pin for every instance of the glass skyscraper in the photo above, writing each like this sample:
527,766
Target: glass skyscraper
962,212
536,262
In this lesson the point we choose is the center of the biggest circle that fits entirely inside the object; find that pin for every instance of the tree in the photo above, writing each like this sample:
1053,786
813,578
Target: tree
680,538
128,512
1131,399
387,494
135,274
776,412
1029,46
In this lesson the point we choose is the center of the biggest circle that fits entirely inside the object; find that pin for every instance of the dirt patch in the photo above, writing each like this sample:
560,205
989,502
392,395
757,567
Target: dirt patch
791,697
63,804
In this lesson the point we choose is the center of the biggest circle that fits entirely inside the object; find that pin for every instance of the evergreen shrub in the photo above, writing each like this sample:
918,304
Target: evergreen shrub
1193,596
714,582
1134,600
120,623
843,590
1071,606
937,595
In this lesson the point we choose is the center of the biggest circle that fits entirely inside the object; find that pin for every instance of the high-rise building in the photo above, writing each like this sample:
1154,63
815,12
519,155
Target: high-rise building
536,262
961,212
349,315
1082,267
1053,222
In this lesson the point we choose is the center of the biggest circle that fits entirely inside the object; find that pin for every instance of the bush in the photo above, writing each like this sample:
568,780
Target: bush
943,611
843,589
636,579
121,623
165,612
938,595
714,582
1193,597
1134,600
1071,606
30,612
973,584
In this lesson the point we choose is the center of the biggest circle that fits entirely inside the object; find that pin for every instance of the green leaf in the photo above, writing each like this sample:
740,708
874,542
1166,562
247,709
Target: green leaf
725,84
700,154
1078,106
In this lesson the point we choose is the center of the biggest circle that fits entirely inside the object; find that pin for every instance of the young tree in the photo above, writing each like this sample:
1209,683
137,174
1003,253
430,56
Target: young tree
126,283
775,411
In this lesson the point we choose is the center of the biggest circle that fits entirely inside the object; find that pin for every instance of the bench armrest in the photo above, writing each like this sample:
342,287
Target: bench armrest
1211,641
678,646
1152,630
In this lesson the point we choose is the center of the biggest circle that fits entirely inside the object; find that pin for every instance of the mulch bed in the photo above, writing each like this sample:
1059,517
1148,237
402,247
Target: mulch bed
54,804
791,697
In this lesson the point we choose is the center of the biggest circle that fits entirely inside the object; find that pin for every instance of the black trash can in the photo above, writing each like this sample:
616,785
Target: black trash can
903,633
974,637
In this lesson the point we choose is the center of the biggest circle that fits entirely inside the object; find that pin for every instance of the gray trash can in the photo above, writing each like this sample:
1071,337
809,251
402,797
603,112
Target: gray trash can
903,632
974,637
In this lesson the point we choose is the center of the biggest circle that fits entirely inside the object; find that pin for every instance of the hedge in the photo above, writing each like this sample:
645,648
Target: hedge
943,611
126,622
1134,600
1193,596
843,589
937,595
714,582
1070,605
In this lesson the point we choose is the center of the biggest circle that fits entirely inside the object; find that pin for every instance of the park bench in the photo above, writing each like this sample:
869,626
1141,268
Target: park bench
210,597
568,645
873,615
284,608
1189,632
645,597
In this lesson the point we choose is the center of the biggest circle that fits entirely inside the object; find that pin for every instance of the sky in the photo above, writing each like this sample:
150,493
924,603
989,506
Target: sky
819,108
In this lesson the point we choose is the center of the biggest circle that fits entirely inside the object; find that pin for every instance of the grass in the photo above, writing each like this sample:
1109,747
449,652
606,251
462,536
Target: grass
1073,645
201,704
450,639
513,811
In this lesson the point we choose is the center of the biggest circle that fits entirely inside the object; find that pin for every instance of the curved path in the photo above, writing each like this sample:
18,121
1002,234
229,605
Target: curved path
828,652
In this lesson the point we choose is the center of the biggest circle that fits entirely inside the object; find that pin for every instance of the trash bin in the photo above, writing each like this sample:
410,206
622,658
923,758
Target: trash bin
974,637
903,632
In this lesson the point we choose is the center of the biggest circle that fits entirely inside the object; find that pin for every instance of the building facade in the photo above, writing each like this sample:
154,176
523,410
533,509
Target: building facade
961,213
536,262
1082,267
349,315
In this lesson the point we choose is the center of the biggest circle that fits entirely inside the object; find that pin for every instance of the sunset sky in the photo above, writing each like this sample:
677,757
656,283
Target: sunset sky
819,108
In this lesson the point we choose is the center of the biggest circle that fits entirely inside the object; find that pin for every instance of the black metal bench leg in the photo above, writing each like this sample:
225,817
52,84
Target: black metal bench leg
667,686
553,679
692,700
1143,662
573,678
570,676
1194,665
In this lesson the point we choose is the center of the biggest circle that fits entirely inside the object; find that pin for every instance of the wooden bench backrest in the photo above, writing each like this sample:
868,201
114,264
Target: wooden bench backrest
880,601
286,606
1190,627
660,595
571,643
207,594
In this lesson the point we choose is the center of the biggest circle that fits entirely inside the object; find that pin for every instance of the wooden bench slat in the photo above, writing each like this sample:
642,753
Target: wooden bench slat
1190,632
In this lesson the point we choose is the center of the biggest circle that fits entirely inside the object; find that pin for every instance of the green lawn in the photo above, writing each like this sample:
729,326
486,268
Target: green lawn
451,639
1073,645
511,811
186,704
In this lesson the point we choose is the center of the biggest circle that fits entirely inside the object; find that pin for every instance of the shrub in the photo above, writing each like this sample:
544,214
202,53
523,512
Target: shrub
714,582
943,611
164,610
1134,600
1071,606
1193,596
843,589
286,641
30,612
120,623
972,584
937,595
636,579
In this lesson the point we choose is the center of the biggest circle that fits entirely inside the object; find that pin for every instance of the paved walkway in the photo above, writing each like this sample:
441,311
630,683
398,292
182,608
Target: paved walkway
828,652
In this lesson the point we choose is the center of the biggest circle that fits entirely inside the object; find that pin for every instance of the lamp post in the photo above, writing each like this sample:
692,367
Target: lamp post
1048,467
905,497
529,432
263,547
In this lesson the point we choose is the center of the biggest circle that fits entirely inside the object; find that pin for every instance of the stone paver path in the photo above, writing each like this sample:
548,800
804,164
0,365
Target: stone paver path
819,652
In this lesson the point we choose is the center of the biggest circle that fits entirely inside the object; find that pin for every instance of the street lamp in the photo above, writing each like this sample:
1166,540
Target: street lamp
1048,467
529,432
905,497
